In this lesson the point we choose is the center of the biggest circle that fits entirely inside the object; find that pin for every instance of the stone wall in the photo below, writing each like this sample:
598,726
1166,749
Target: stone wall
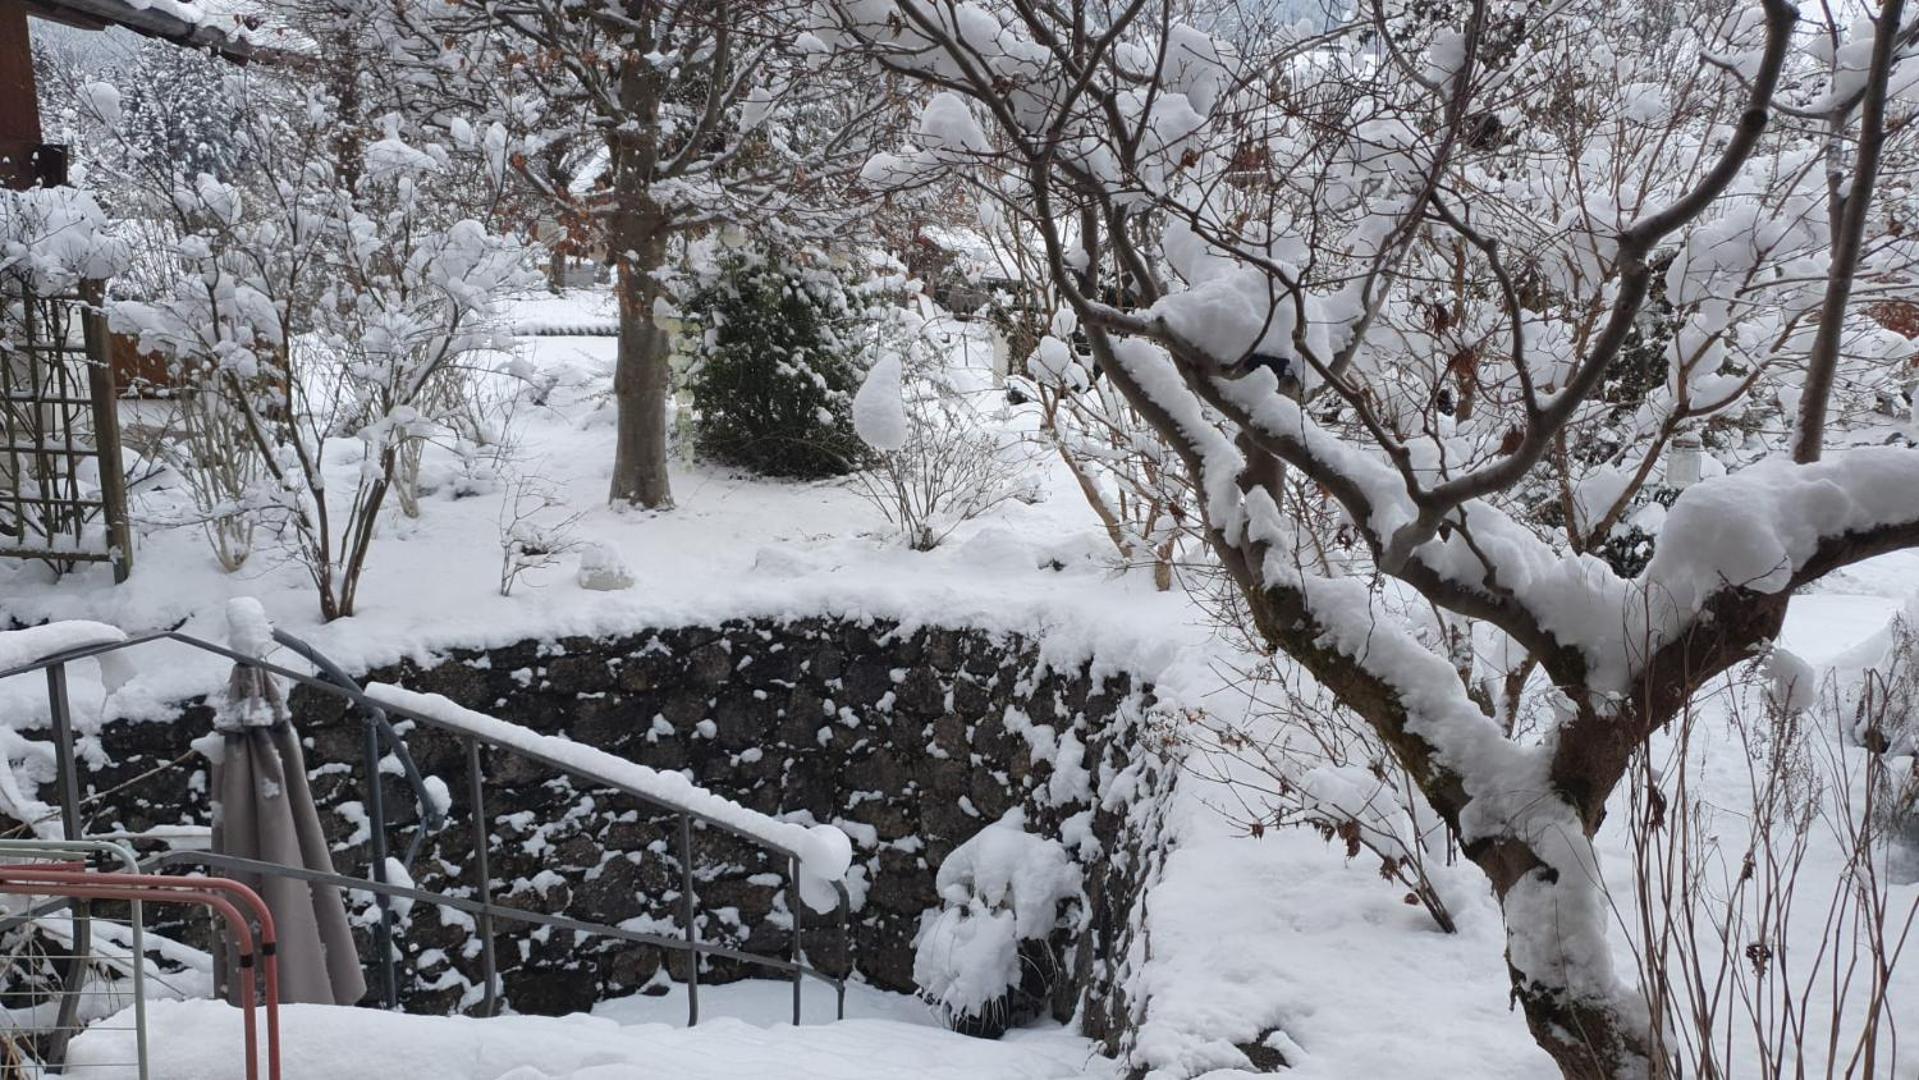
910,740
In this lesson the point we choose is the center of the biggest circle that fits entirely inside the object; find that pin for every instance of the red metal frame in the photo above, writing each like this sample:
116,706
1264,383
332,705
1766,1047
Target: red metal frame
196,890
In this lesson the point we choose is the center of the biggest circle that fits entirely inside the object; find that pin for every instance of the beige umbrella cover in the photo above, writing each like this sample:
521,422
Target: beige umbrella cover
264,810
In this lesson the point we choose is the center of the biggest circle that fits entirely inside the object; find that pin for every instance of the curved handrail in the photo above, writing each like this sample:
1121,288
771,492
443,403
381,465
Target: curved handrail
381,889
360,698
432,818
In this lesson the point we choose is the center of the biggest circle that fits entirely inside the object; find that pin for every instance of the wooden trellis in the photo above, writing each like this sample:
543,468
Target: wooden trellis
63,494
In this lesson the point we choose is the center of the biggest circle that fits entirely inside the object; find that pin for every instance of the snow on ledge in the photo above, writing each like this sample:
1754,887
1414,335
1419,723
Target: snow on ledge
825,853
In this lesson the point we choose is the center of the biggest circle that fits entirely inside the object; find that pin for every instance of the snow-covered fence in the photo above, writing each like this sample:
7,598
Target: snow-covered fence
816,858
820,854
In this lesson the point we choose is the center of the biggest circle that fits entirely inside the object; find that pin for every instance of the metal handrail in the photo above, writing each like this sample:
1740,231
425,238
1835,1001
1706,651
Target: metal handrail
54,666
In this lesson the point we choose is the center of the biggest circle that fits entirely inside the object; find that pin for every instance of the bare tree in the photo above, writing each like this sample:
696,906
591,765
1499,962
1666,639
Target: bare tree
1413,274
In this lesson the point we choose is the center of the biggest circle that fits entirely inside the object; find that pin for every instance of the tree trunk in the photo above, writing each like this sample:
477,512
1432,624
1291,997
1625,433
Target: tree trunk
642,377
1589,1037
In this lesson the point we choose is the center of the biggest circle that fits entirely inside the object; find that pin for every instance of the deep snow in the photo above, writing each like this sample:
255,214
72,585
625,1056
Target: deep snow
1245,935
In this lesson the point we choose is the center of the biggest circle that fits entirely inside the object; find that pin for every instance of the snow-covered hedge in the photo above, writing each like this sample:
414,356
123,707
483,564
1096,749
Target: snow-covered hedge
784,341
1000,889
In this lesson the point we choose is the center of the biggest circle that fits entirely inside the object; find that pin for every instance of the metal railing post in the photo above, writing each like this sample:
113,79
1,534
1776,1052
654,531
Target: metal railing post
476,793
686,916
74,978
61,712
376,818
798,905
846,947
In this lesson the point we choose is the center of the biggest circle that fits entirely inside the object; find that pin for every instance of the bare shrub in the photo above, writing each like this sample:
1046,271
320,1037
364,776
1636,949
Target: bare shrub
536,530
955,463
1766,930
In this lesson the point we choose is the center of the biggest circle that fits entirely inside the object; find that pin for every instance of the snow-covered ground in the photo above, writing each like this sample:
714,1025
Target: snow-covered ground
1247,935
734,546
200,1041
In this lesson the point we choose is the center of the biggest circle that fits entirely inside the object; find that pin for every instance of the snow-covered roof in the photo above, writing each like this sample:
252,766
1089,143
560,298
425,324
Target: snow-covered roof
205,23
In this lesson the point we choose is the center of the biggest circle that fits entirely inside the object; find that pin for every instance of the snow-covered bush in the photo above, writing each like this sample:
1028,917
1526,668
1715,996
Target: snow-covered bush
986,959
939,458
51,239
782,347
330,300
1881,714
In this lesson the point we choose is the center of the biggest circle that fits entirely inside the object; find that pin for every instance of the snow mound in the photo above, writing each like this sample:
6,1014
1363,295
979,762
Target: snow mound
879,409
603,569
1001,887
248,629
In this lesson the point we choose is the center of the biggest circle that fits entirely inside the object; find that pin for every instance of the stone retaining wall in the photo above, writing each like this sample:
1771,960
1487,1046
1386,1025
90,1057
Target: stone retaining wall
910,740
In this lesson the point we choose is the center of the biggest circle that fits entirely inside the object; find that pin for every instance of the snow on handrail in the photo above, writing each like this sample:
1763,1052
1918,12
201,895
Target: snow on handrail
824,851
28,647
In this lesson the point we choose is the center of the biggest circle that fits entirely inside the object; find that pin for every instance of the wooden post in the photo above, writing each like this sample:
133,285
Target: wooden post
106,428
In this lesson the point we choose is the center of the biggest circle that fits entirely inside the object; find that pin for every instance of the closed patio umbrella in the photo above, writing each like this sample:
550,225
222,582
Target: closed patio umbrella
263,809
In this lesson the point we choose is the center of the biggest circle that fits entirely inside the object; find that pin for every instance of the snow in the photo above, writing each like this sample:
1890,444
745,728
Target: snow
102,99
946,124
1758,527
602,569
18,648
1242,936
200,1041
879,409
57,237
248,629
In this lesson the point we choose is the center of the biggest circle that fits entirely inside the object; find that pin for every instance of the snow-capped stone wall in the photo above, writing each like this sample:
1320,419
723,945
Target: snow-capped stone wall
912,741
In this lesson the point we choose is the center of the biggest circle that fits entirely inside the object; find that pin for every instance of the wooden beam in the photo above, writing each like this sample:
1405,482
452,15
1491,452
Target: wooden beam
19,99
180,24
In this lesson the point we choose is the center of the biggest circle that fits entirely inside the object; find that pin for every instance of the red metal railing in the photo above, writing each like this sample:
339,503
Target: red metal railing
224,897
